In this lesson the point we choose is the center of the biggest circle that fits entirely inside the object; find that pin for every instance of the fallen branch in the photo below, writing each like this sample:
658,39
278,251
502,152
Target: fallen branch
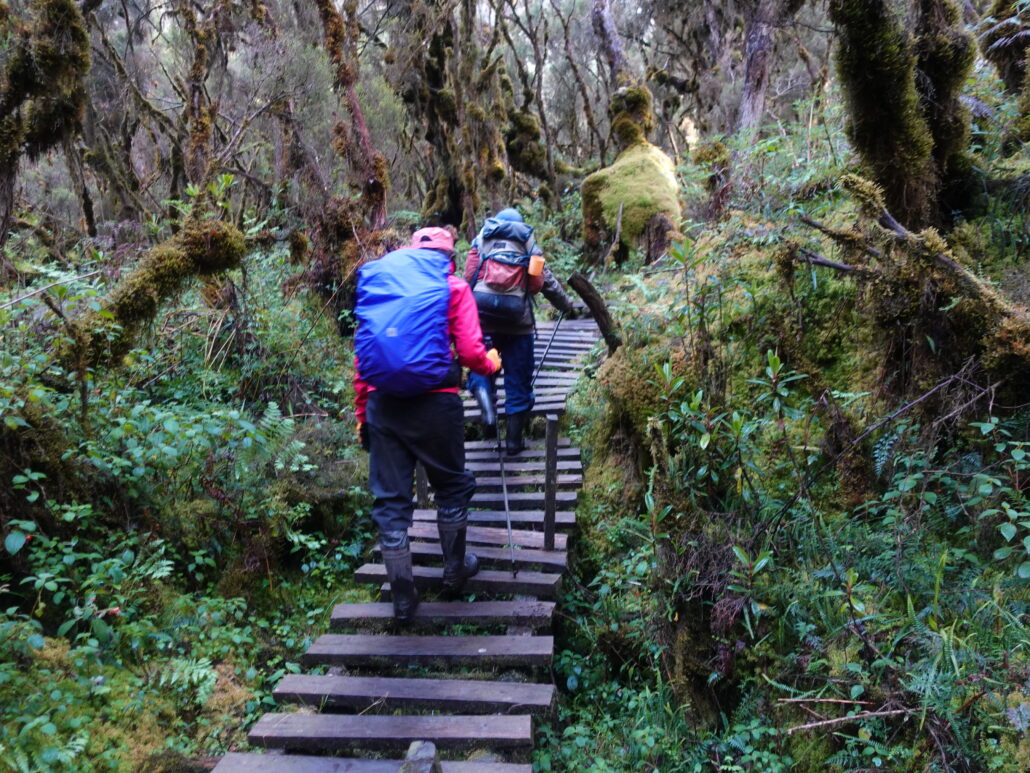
807,256
598,308
852,718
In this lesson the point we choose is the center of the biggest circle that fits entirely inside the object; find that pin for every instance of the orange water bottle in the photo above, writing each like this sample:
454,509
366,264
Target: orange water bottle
536,265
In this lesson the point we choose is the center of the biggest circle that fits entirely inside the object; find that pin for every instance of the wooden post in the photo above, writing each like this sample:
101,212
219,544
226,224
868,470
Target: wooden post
421,487
550,479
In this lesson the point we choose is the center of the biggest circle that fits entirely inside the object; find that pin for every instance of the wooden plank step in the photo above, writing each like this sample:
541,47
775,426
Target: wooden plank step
484,535
491,445
528,613
522,500
458,696
526,583
546,560
563,519
540,408
319,732
249,762
567,481
517,466
482,651
530,453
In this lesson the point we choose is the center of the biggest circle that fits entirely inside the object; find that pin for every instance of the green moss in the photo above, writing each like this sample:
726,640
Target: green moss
877,69
522,140
632,115
198,249
642,181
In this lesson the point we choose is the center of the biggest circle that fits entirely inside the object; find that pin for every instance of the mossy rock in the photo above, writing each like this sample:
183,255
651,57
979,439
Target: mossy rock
643,182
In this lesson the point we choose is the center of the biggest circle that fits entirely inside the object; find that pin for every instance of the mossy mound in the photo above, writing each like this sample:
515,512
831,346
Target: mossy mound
642,181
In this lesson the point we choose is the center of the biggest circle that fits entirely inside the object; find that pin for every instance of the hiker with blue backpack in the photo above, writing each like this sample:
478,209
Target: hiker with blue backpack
505,268
417,326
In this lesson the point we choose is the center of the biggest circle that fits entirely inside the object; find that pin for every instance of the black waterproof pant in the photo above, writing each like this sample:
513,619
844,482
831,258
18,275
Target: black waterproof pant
429,428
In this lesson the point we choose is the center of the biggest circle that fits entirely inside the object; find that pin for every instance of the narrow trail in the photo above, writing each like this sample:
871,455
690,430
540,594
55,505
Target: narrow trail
468,675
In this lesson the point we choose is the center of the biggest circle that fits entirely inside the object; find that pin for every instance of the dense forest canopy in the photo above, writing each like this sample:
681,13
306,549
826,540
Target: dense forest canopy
806,527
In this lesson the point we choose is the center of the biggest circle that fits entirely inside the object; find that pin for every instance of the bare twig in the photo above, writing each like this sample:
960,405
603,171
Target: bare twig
47,287
853,718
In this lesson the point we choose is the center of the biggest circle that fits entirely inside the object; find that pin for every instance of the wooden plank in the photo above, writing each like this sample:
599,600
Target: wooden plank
491,445
522,500
458,696
240,762
529,454
481,651
526,613
319,732
563,519
485,535
547,560
566,465
527,583
566,482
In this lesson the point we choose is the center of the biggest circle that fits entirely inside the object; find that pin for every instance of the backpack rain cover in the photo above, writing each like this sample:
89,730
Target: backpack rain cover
401,342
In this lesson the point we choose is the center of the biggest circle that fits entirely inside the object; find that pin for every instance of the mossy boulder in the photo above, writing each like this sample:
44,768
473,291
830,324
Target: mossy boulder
642,182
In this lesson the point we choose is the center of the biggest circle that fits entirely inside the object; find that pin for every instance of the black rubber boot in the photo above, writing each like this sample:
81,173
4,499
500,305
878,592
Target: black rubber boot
514,443
397,558
458,565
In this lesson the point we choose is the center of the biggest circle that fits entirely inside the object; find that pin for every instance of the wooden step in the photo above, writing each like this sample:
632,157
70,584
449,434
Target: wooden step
531,453
491,445
321,732
483,651
458,696
472,412
514,467
527,583
547,560
528,613
566,481
239,762
563,519
521,500
485,535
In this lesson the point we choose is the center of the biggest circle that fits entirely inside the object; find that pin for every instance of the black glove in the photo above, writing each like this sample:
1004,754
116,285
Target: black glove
363,436
571,313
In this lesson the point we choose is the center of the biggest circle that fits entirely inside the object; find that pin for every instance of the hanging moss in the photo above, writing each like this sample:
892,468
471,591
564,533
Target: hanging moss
200,248
1005,41
522,140
642,181
1023,107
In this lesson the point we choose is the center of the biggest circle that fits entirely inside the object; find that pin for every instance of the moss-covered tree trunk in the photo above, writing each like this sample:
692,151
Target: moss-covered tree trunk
902,93
42,92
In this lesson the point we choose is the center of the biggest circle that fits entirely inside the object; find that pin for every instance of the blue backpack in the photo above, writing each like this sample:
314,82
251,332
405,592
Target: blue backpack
401,342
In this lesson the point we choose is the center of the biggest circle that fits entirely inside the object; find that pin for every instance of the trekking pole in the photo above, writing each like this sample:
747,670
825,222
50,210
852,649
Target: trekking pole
561,316
507,508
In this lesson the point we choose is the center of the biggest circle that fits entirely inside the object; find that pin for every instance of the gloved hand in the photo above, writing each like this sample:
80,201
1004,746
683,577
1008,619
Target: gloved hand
363,436
571,313
495,357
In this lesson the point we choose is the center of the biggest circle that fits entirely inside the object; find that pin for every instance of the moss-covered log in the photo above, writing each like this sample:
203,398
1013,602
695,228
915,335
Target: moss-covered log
105,335
910,278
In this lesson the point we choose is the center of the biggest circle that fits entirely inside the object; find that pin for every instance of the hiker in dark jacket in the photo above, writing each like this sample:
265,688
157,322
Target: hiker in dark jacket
498,270
427,426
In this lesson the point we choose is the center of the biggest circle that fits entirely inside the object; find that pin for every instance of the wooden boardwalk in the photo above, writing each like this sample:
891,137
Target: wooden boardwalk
466,675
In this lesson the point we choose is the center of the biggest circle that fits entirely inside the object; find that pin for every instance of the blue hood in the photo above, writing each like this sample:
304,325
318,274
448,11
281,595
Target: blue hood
505,229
